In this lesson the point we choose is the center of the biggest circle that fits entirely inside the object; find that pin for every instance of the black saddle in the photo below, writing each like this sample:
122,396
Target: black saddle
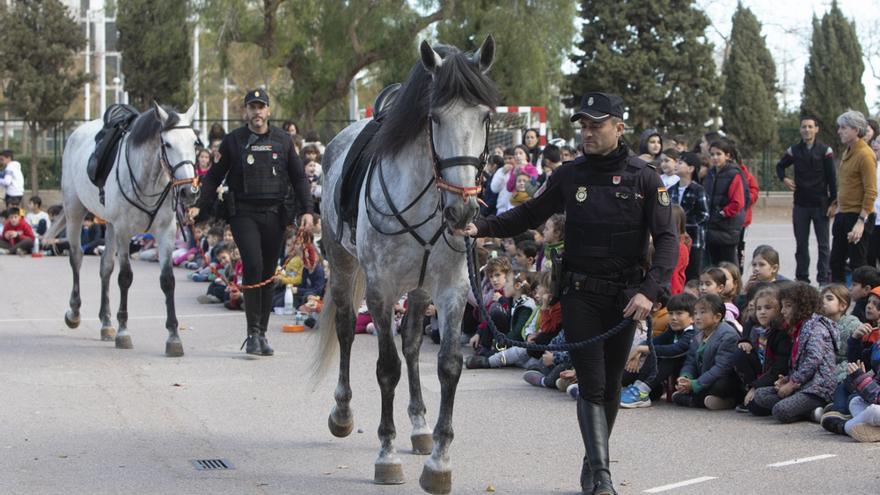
357,164
117,119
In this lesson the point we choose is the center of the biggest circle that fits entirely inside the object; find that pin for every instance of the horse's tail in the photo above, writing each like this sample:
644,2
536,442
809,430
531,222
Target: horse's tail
328,342
58,224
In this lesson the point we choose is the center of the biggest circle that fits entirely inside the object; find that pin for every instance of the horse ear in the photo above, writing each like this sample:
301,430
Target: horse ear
191,112
430,58
161,113
485,55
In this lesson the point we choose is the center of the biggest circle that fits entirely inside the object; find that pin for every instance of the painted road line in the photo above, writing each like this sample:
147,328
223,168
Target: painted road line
801,460
680,484
149,317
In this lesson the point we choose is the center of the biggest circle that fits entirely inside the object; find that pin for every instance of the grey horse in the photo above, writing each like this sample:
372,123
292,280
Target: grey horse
152,171
434,135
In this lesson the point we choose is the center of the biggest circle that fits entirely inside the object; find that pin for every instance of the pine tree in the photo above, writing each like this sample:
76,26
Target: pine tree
40,41
155,40
748,102
833,75
661,65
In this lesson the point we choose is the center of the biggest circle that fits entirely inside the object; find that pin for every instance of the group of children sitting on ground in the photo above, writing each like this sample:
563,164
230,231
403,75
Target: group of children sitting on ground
766,347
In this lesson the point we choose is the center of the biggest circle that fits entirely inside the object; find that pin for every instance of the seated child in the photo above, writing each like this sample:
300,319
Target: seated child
765,348
558,369
732,293
498,274
707,378
714,280
862,346
218,289
36,217
522,311
864,278
554,238
18,236
864,426
692,287
811,381
660,314
670,348
765,265
520,194
92,236
526,253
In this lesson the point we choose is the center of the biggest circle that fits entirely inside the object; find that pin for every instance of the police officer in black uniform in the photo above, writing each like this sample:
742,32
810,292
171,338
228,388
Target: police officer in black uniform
261,167
613,203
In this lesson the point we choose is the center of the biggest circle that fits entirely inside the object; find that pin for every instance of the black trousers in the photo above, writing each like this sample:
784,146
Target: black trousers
600,366
258,235
695,264
842,250
874,247
722,252
801,218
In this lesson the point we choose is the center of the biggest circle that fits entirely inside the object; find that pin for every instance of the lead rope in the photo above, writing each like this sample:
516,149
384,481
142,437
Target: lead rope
503,340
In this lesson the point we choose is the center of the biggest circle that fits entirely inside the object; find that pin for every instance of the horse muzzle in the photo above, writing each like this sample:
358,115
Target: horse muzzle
462,213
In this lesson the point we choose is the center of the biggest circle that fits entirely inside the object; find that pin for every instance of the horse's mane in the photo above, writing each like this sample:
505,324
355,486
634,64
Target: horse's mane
147,126
458,77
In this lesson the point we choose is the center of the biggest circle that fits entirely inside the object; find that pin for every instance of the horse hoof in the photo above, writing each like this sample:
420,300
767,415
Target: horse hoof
340,430
70,320
422,443
108,334
436,482
123,342
174,349
389,474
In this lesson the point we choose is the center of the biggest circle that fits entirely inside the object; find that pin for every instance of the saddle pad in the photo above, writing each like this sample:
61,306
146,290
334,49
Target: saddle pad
354,171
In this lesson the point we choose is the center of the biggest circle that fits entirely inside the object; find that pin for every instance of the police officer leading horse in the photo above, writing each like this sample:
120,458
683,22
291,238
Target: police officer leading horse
260,166
612,202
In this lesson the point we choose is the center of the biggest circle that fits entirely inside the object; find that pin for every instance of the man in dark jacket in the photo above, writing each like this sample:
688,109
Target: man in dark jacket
613,202
815,188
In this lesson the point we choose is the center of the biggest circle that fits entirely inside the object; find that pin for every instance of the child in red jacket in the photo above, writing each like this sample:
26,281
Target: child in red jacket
18,236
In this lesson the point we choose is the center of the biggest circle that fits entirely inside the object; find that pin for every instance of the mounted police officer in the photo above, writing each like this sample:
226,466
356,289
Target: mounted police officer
613,203
261,167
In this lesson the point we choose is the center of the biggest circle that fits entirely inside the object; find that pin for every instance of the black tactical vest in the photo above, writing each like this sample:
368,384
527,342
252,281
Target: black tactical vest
722,230
604,212
264,167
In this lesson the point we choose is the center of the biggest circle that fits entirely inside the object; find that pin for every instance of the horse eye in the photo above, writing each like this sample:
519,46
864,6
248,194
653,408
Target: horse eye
435,120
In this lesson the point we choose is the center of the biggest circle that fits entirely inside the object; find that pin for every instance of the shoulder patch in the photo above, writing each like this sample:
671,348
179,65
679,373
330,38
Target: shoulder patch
662,196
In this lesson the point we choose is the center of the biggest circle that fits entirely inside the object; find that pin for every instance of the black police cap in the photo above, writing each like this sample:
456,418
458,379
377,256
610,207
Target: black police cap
599,106
257,95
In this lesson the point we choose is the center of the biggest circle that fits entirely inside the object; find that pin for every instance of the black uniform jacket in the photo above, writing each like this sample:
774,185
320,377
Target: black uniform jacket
604,193
231,167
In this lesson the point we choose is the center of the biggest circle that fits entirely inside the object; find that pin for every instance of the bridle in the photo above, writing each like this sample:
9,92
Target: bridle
441,164
171,170
151,210
438,165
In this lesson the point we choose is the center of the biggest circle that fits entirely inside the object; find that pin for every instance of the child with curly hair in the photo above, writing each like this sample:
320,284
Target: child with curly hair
811,381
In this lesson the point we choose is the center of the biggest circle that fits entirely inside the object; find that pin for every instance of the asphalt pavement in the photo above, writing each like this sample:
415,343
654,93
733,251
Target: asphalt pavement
78,416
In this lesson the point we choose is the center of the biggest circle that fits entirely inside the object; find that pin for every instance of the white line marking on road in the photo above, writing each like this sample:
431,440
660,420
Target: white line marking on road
150,317
801,461
680,484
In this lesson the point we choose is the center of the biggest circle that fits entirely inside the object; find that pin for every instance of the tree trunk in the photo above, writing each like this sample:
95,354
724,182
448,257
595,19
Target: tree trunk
35,178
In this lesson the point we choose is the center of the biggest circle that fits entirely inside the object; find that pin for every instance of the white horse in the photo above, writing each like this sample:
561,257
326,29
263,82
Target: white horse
155,160
427,155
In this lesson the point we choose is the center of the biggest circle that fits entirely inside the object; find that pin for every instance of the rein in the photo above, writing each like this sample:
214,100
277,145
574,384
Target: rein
309,251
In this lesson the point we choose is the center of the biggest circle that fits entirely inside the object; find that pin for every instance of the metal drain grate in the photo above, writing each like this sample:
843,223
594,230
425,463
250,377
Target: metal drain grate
211,464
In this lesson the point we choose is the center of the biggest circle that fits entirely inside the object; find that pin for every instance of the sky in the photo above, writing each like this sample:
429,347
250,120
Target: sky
787,28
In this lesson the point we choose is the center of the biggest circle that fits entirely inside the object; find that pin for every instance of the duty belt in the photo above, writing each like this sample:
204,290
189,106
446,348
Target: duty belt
581,282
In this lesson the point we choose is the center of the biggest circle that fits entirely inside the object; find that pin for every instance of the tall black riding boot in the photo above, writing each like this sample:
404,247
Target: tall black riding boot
252,306
265,311
586,470
594,429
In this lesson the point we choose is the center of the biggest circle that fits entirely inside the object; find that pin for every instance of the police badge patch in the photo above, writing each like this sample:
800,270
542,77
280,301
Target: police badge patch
581,194
663,196
250,159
